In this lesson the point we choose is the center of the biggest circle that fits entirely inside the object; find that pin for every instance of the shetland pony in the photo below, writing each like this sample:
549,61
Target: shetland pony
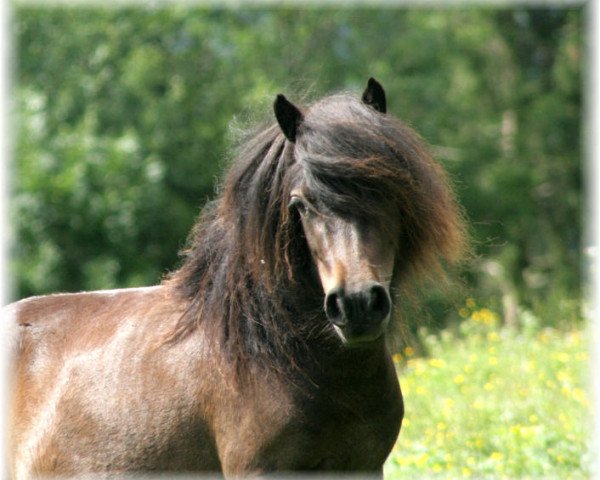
265,352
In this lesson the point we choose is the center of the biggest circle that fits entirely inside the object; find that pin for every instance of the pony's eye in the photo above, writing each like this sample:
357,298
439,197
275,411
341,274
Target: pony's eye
299,204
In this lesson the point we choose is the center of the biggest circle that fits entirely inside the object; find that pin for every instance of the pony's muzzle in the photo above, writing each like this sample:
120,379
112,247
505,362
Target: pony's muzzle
359,315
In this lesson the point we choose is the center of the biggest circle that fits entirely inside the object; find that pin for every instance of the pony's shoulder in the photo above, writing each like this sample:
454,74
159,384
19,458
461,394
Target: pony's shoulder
42,309
78,321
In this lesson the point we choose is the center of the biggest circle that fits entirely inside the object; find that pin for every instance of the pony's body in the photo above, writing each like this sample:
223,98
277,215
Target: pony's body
97,392
265,352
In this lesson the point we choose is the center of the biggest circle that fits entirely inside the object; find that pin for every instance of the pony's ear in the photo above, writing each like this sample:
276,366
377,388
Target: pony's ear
374,95
288,116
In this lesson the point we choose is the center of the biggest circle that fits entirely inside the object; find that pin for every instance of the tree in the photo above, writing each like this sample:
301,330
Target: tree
126,119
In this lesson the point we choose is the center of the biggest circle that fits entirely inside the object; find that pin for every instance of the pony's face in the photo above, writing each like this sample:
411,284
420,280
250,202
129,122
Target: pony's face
355,262
354,252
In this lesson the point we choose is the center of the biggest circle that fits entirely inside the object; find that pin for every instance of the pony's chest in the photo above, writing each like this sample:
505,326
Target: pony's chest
354,432
348,430
332,423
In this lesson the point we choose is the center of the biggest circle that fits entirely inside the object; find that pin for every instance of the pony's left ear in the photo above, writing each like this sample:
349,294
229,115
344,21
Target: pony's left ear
374,95
288,116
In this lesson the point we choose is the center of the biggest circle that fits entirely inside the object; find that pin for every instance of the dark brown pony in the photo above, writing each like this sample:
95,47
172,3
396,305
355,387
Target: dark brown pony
265,351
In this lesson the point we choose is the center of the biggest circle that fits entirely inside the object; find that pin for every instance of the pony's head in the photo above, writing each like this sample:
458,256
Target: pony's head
371,202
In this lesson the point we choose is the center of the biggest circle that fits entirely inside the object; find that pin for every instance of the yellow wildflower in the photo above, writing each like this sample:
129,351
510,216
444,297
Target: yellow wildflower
561,357
562,417
550,384
485,316
529,365
523,392
574,338
533,418
528,432
544,336
581,356
421,459
437,363
493,336
580,396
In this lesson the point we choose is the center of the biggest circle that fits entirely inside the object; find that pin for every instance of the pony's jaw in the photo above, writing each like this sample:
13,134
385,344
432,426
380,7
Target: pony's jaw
352,341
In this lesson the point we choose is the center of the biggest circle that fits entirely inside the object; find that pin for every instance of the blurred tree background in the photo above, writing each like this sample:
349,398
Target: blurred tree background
124,118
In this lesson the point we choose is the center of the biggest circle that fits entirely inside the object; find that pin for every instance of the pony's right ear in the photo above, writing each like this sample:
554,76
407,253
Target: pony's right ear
374,95
288,116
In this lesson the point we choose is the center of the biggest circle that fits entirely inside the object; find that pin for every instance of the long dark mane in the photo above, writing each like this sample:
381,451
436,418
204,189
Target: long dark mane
247,274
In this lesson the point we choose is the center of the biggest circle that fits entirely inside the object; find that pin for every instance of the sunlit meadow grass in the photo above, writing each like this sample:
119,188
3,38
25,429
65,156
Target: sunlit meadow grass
493,402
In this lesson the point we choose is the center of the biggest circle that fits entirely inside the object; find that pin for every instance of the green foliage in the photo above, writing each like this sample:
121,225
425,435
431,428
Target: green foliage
493,402
125,118
77,220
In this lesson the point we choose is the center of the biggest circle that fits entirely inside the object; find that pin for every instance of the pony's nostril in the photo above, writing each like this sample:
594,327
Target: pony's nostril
334,307
364,308
378,303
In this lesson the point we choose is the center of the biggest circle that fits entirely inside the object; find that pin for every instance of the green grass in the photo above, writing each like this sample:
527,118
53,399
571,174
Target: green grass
494,402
